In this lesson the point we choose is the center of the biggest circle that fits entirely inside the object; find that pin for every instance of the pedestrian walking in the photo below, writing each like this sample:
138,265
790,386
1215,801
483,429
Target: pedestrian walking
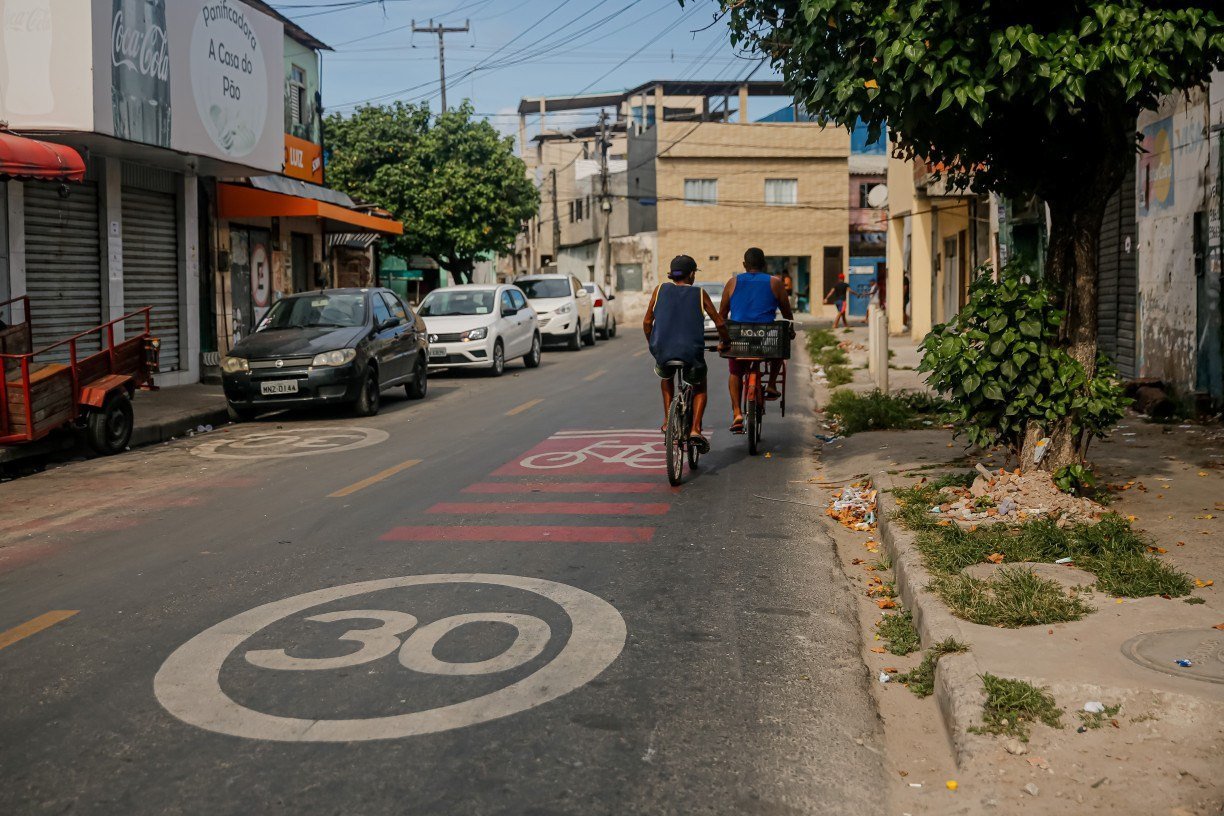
838,296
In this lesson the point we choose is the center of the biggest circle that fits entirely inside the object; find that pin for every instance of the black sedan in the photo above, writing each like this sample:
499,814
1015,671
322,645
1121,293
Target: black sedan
332,346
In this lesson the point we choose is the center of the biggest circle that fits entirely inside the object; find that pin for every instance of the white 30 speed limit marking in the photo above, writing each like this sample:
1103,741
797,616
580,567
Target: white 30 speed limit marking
188,684
281,443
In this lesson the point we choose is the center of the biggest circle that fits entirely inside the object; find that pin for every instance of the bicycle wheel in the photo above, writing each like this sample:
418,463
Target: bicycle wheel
752,424
674,440
693,453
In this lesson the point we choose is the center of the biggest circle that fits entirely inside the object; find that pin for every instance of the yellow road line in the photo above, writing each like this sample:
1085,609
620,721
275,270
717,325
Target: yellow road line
375,479
524,407
640,353
34,626
595,375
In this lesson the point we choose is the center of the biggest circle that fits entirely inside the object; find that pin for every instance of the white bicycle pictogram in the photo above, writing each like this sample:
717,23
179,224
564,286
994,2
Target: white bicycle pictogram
641,455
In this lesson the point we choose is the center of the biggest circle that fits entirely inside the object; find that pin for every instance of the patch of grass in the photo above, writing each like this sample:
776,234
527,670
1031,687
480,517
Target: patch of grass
883,563
1012,706
1014,597
954,480
1194,600
872,411
819,339
921,679
1111,549
900,636
831,356
1096,719
839,375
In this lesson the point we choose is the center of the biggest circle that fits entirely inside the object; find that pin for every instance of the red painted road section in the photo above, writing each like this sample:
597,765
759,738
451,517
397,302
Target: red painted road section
593,453
551,508
535,534
585,488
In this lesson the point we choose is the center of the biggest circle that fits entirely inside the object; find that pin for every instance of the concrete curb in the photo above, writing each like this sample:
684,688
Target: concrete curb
958,691
166,429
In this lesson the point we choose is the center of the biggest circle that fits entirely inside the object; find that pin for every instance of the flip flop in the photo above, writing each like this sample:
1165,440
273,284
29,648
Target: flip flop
700,442
737,427
773,394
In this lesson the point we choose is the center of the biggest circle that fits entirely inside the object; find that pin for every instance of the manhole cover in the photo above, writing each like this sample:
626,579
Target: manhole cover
1204,648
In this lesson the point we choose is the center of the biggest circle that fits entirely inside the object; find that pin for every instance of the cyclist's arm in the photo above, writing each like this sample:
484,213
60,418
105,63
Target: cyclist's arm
720,325
779,291
648,321
724,306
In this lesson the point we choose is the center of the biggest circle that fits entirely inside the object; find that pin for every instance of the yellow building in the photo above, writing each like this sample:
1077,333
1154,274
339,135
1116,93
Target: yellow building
937,238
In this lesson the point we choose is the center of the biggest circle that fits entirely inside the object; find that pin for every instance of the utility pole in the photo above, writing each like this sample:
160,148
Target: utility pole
441,31
556,219
605,199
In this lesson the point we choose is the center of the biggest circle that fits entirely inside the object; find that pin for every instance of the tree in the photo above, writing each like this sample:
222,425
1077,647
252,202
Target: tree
453,181
1019,98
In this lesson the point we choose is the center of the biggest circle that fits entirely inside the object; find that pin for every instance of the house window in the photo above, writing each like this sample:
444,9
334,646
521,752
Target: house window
571,212
781,192
578,210
864,191
628,277
297,95
701,192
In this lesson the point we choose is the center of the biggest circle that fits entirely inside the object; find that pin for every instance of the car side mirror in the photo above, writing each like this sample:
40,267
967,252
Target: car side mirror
509,311
611,297
389,323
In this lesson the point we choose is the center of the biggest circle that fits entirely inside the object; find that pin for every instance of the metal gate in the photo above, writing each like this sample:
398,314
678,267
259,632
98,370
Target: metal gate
150,265
63,262
1118,279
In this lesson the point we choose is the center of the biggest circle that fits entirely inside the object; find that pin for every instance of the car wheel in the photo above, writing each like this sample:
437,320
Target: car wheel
110,429
370,398
239,413
575,342
611,327
590,335
532,358
420,381
499,360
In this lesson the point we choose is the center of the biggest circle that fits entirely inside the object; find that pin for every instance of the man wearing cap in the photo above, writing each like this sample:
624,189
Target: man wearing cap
675,329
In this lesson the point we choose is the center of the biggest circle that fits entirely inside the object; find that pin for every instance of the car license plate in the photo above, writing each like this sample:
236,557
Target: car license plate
273,387
437,352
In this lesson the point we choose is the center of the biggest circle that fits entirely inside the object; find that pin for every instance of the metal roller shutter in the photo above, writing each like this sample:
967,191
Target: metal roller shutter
150,265
63,263
1118,281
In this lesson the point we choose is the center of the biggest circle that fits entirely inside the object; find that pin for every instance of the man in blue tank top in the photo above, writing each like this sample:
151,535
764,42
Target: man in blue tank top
675,329
753,296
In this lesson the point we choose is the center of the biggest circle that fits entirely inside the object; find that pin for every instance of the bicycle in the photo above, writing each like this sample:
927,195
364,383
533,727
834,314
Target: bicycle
679,425
752,400
757,344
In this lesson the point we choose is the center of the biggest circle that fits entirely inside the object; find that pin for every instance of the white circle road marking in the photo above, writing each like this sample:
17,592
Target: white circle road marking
188,684
290,442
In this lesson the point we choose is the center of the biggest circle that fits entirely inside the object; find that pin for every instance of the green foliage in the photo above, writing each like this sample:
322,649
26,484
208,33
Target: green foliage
831,356
968,85
1012,598
1012,706
921,679
1078,479
876,411
1096,719
838,375
453,181
818,339
900,636
1002,364
1114,551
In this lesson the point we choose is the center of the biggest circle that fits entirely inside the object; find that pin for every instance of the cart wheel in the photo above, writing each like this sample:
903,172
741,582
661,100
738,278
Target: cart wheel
110,429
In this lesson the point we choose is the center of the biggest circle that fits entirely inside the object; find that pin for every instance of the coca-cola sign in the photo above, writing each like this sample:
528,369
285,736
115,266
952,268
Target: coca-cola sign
145,50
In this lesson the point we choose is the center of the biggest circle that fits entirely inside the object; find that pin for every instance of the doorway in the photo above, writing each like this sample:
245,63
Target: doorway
300,246
250,279
831,270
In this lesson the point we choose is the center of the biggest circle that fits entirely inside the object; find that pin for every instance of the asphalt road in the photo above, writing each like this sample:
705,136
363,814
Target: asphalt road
484,603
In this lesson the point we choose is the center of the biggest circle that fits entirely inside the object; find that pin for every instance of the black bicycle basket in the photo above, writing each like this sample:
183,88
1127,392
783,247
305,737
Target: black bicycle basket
770,341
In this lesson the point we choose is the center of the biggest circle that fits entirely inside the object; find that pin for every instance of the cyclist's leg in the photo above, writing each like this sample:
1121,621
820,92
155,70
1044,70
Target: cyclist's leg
668,389
771,390
735,387
697,376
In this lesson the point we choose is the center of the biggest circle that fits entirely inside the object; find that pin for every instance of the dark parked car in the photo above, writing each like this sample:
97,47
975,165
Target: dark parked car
333,346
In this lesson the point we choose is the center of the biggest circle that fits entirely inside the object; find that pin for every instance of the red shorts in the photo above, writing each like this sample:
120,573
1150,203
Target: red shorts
739,367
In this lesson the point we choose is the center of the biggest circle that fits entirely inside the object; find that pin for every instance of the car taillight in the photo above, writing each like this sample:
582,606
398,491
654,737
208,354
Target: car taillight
598,302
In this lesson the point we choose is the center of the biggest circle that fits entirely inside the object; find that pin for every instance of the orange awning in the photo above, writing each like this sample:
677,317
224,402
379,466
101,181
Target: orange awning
237,201
23,158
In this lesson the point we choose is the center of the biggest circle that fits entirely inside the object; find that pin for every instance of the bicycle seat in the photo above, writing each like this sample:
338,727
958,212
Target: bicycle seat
674,364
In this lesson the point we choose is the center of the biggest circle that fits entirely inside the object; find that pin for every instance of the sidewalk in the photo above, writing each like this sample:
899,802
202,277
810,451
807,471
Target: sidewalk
159,416
1160,752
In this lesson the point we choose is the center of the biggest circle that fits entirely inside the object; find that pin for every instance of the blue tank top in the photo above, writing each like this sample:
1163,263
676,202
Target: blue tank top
753,300
679,325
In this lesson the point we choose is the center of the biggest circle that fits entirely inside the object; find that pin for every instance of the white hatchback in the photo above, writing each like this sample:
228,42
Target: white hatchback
480,326
605,312
565,309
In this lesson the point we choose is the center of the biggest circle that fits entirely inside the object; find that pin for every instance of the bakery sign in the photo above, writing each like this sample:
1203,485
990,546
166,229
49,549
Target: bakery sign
303,159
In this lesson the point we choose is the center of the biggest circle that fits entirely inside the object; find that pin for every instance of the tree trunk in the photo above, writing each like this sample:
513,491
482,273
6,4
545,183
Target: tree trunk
460,269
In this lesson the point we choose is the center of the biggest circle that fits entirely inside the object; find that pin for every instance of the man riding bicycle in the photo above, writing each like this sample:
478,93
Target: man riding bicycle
675,329
753,296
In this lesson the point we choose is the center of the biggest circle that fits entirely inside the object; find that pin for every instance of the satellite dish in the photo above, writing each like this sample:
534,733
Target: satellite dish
877,196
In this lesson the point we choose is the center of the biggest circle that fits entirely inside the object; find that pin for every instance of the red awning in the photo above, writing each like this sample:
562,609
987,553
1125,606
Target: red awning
29,158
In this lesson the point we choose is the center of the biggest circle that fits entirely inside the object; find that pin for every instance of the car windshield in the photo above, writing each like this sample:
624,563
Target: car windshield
714,290
341,310
545,288
443,303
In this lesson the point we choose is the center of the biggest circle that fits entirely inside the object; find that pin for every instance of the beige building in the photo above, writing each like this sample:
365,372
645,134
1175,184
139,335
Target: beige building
688,172
937,237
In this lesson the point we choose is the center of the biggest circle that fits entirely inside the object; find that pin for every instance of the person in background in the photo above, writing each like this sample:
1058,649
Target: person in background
838,296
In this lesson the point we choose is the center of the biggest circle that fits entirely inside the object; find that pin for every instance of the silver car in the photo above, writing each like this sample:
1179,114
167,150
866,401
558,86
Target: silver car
605,312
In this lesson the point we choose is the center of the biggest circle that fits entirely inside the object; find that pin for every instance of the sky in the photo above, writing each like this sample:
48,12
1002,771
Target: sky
515,48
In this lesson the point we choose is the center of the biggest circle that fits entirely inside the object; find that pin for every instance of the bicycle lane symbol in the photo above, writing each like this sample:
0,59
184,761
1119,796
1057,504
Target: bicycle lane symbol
188,684
592,453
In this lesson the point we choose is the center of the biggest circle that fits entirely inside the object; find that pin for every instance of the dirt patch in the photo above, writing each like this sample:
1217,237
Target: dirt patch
1011,497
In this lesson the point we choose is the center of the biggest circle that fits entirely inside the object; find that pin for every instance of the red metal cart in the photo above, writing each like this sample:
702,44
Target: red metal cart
54,386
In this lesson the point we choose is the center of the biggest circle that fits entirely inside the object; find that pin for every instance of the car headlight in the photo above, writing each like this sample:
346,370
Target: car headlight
234,365
565,308
475,334
334,358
